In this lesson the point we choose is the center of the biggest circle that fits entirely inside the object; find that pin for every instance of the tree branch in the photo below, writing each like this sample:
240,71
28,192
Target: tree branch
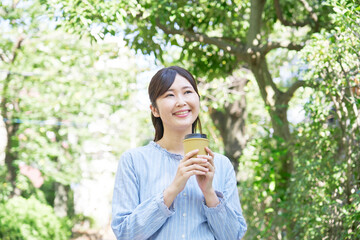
8,78
24,74
285,44
285,97
2,57
296,85
229,39
353,98
16,47
294,23
15,3
256,12
308,8
192,36
270,80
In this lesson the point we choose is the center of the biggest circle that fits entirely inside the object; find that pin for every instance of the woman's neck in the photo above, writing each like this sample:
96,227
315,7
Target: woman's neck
173,142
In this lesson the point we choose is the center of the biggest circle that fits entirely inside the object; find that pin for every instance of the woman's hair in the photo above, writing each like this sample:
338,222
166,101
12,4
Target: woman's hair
159,84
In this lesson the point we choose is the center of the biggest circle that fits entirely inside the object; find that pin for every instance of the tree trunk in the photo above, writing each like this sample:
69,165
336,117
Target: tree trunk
61,201
11,129
276,102
10,157
230,121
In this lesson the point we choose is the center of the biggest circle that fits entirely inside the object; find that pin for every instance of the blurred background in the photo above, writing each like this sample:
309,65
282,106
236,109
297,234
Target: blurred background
279,83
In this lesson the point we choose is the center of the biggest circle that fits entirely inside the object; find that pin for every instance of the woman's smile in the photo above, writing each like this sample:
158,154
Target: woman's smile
182,113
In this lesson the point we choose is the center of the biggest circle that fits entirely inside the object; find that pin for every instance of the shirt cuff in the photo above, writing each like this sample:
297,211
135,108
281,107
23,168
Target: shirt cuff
218,207
163,208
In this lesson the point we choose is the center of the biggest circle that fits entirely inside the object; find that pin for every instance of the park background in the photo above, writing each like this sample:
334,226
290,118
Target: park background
279,82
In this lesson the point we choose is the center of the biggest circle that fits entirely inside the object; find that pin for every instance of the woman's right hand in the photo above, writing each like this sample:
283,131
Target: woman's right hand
188,167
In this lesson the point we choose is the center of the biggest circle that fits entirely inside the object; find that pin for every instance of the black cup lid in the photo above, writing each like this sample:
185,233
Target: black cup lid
195,135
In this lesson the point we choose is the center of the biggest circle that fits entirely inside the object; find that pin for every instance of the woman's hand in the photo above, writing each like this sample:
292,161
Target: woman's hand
188,167
205,180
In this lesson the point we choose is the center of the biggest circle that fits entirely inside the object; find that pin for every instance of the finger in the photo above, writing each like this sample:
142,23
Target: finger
211,167
208,165
203,160
205,164
196,172
196,167
211,154
208,158
208,150
190,154
193,161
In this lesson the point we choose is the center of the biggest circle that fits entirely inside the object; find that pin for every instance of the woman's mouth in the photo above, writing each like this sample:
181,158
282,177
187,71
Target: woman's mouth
183,113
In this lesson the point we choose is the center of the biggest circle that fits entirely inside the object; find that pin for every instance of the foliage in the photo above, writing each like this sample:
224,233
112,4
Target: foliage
58,103
5,187
57,93
60,90
321,185
322,201
260,188
29,219
212,38
327,180
145,24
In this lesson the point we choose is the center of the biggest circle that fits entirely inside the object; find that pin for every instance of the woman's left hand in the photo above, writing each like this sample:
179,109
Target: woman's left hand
205,181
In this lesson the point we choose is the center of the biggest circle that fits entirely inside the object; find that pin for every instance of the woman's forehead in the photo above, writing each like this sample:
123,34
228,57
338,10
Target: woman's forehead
180,83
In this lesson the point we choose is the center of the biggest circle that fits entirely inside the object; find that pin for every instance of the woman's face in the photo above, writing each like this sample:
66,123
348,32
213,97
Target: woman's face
178,107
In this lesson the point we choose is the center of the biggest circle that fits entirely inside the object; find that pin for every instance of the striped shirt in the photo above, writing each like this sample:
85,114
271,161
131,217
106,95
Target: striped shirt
139,212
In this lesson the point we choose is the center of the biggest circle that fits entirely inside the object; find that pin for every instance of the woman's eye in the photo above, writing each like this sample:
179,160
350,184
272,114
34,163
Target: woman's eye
169,95
187,92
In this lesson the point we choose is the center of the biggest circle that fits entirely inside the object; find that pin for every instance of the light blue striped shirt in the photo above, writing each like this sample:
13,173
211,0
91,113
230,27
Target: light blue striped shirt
139,212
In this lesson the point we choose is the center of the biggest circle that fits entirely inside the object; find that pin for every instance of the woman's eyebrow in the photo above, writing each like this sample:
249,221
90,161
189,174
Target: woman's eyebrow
185,87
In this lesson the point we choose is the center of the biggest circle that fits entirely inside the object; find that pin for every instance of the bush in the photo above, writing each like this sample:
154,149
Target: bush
29,219
5,186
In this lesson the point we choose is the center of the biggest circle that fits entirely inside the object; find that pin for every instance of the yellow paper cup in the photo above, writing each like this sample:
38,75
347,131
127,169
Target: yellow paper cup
196,141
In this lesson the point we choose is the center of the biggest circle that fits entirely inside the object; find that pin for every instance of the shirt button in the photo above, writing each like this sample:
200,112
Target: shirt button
184,214
184,194
183,236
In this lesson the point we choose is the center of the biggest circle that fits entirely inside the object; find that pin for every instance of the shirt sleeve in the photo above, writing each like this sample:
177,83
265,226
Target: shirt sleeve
130,218
226,220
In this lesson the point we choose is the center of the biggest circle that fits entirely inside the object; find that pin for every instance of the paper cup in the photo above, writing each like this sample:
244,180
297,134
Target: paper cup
196,141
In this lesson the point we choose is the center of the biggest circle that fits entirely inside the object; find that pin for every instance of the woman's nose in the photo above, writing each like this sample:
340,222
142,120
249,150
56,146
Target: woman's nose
180,101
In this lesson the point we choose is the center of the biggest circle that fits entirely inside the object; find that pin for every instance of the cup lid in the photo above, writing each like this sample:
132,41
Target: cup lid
195,135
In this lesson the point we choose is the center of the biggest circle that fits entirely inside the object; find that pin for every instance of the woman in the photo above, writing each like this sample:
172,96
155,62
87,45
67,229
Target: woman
159,192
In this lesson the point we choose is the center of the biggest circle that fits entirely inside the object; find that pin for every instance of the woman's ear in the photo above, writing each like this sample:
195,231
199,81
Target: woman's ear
154,111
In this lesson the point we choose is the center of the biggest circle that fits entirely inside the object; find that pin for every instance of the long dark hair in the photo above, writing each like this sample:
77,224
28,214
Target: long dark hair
159,84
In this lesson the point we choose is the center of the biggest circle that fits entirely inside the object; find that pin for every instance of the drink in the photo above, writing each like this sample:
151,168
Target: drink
196,141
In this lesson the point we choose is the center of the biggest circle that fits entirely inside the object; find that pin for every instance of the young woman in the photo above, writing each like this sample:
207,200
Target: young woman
159,192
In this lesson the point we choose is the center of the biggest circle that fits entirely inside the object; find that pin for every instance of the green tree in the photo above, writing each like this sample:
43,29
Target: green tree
40,221
58,91
326,182
53,85
215,38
